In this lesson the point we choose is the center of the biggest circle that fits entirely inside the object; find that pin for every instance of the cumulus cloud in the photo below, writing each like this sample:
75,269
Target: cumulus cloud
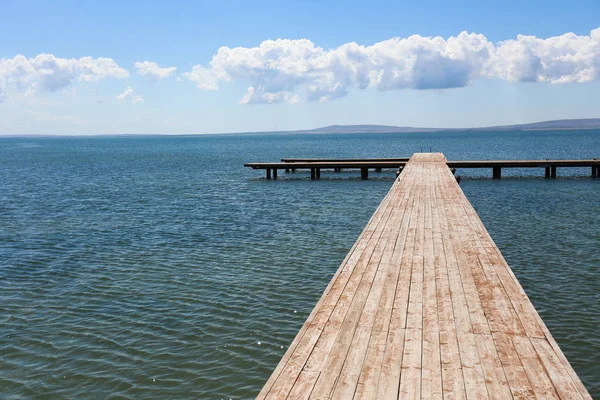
277,70
45,72
153,71
128,94
561,59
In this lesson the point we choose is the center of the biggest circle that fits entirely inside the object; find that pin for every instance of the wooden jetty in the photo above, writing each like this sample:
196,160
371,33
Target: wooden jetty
424,306
364,165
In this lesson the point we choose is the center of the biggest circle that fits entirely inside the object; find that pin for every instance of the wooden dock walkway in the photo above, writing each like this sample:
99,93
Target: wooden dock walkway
424,306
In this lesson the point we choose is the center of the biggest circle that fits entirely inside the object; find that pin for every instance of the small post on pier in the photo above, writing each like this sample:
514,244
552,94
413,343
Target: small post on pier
553,172
274,173
364,173
497,172
313,175
318,173
269,173
547,174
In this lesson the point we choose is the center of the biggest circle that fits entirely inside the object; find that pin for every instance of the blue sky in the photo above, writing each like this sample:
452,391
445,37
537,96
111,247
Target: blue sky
472,81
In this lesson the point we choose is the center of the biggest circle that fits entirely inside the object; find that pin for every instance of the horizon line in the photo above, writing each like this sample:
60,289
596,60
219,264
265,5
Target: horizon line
320,130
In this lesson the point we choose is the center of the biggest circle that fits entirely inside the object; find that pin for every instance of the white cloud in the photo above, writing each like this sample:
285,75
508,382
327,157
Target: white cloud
277,70
45,72
153,71
259,96
129,95
561,59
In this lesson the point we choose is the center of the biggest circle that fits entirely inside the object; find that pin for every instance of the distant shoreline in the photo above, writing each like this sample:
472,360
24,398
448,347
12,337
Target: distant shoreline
554,125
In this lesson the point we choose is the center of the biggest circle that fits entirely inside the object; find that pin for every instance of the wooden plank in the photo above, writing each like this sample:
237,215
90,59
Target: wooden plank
517,378
410,382
374,358
389,379
352,368
452,377
560,378
534,368
431,374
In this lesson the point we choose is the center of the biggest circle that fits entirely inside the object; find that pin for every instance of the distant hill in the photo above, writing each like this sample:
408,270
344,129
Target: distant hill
590,123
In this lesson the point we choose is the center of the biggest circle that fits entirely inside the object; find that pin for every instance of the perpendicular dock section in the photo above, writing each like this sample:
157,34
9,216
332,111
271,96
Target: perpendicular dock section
424,306
364,165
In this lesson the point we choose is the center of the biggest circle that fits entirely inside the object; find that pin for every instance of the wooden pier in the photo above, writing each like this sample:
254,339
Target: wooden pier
424,306
315,165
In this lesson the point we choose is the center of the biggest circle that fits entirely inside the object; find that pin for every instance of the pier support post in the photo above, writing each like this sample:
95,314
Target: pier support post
594,172
377,169
293,169
318,173
547,173
453,171
364,173
553,172
497,173
399,172
274,173
269,173
313,175
287,170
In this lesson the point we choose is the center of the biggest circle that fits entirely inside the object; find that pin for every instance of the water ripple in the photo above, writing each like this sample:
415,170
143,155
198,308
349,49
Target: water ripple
159,268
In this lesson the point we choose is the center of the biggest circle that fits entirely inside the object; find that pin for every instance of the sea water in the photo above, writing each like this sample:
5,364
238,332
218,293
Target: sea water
159,267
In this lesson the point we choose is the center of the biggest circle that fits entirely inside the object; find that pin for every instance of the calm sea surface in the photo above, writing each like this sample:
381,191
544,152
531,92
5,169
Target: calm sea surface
160,267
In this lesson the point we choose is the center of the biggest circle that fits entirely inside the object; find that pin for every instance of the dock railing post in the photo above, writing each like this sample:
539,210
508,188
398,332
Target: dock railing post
497,172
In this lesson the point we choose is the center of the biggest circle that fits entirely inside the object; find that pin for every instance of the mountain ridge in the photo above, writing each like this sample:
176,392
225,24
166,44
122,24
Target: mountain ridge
558,124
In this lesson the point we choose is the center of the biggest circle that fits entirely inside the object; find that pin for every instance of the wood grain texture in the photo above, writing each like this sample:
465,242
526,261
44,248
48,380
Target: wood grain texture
424,306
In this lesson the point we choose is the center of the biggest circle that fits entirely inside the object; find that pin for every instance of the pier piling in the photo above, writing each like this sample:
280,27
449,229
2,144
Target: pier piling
364,173
497,172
